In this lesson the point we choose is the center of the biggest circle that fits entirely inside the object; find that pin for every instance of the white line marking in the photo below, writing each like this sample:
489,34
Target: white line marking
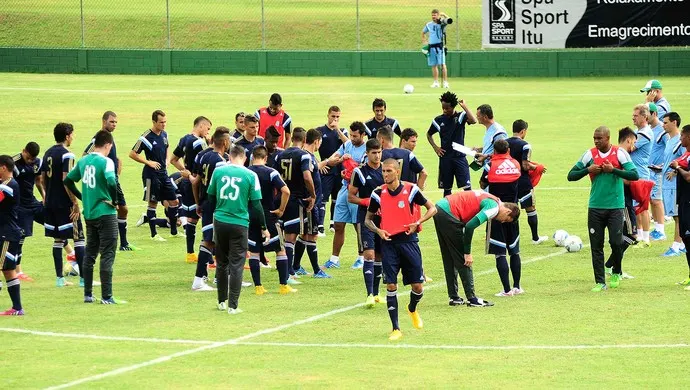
237,340
315,93
474,347
110,338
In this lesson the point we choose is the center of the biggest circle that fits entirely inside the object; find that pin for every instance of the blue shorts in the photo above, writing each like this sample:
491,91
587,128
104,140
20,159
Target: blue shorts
656,190
504,237
525,194
207,221
59,225
28,215
120,194
344,211
8,255
367,240
159,187
187,202
453,168
402,256
296,219
255,240
437,56
670,206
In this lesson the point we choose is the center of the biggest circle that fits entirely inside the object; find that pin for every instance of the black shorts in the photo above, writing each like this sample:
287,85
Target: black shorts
59,225
159,187
296,219
8,255
120,195
504,237
207,221
684,218
367,240
453,168
28,214
405,257
330,186
256,240
526,196
187,201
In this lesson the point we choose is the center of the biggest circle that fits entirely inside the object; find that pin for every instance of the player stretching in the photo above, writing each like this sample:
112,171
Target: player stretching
109,123
206,164
400,251
189,146
270,181
332,138
10,234
294,164
62,220
27,173
673,150
521,151
380,119
680,165
157,185
273,115
494,132
451,128
99,198
365,179
307,241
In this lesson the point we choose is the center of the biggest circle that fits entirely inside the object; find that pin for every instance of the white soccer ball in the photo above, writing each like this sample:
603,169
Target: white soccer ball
408,88
559,237
573,244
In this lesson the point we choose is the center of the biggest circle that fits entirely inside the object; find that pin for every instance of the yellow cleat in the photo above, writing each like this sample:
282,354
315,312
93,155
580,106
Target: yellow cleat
192,258
395,335
285,289
260,290
370,302
416,319
379,299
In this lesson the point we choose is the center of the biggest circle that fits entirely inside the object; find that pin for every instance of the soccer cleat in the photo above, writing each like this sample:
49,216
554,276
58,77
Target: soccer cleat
265,265
322,232
260,290
608,270
504,294
95,283
321,275
331,264
427,279
642,245
671,253
222,307
615,280
626,276
446,85
178,235
379,299
332,228
112,301
203,287
370,302
657,236
72,257
158,238
293,282
81,282
301,271
456,301
435,84
142,220
12,312
478,302
540,240
61,282
358,264
24,277
417,322
685,282
191,258
234,311
89,299
246,284
129,248
395,335
285,289
599,287
517,291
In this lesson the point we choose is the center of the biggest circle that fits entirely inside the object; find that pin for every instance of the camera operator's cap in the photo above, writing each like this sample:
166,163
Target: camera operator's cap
651,84
652,107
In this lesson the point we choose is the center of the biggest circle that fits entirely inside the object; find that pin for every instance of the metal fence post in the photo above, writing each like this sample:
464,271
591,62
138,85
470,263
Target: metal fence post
263,26
81,6
167,15
357,26
457,22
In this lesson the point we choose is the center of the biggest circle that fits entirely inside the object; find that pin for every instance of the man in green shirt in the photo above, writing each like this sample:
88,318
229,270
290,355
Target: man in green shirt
98,196
231,191
607,167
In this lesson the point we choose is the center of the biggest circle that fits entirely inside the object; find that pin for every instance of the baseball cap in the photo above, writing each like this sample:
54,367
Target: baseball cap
651,84
652,107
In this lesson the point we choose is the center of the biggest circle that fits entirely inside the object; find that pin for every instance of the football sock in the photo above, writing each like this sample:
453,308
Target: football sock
335,259
205,258
659,227
300,246
190,232
282,266
533,222
80,253
57,257
516,269
645,235
368,271
122,229
13,291
151,215
414,300
290,255
392,301
503,272
255,269
171,212
675,246
313,253
640,236
378,273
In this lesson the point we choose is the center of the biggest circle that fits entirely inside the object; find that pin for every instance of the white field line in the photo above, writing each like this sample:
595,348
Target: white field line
314,93
240,339
470,347
96,337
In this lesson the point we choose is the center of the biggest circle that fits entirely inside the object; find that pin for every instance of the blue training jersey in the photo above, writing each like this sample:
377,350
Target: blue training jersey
673,151
25,175
435,31
155,148
450,129
366,179
410,166
357,152
660,138
643,150
663,107
493,133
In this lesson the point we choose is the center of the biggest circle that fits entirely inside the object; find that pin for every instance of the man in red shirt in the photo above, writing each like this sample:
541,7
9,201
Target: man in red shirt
394,202
273,115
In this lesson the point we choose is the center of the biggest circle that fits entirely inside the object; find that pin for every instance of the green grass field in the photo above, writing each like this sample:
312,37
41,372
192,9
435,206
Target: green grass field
221,24
557,335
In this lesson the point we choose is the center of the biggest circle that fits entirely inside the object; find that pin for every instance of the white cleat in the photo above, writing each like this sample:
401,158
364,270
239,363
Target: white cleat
203,287
446,85
246,284
626,276
435,84
222,306
142,220
540,240
505,294
234,311
517,291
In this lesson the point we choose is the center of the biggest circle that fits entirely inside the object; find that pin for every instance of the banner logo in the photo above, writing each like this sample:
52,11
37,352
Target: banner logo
502,22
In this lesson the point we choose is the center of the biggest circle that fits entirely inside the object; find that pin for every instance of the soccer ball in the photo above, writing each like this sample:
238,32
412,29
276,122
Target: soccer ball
408,88
573,244
559,237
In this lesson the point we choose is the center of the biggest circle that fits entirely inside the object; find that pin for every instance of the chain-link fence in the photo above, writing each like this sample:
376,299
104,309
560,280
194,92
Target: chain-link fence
235,24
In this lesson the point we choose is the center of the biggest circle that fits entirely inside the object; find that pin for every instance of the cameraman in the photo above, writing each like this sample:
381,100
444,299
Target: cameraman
437,55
